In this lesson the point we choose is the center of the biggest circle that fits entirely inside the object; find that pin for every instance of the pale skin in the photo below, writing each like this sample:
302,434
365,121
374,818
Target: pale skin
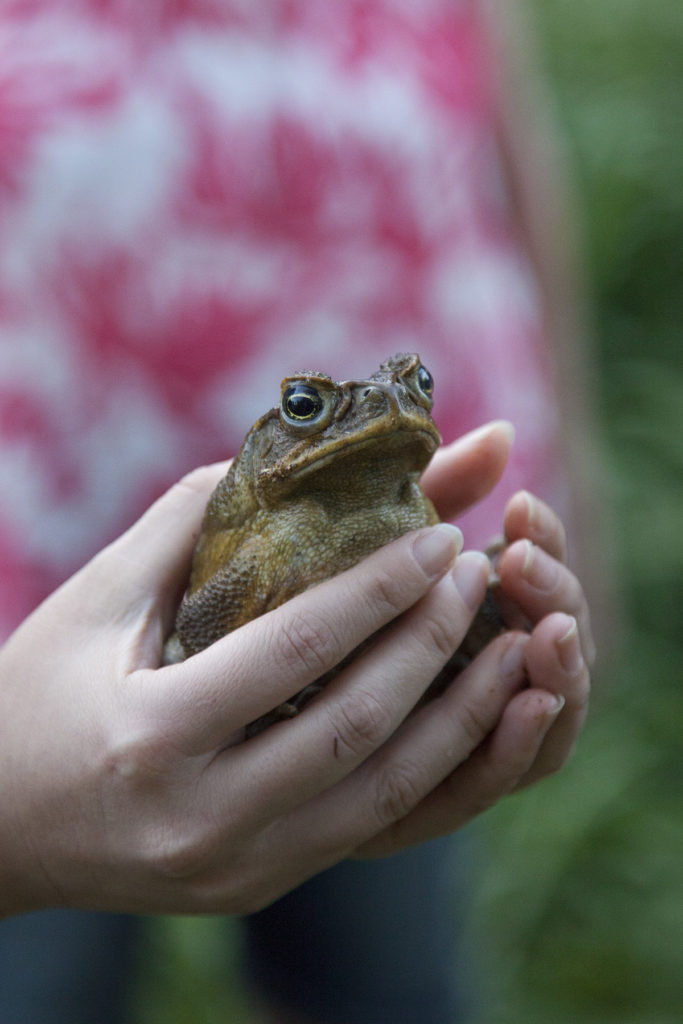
122,787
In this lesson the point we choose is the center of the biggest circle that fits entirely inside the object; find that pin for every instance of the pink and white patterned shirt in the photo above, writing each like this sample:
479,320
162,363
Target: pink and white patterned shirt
198,197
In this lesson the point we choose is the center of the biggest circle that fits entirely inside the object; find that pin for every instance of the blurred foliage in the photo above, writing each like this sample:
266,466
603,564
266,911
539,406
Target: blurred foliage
579,913
189,973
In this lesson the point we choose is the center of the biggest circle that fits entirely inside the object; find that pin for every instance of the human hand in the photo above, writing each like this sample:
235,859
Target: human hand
542,596
119,786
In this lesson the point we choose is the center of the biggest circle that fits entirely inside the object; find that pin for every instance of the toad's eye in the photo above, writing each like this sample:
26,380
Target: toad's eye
425,381
302,404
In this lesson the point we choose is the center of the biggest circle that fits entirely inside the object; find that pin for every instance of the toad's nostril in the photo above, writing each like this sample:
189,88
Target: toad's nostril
373,397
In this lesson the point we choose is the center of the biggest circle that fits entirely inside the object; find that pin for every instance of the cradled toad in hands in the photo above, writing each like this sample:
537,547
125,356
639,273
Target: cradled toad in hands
321,481
124,785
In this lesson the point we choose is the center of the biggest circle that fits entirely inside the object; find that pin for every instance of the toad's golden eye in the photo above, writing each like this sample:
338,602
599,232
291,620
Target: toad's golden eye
425,381
302,404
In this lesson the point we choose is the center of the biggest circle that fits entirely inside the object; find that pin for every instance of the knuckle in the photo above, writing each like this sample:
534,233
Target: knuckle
441,635
474,723
361,722
398,792
137,760
172,844
387,595
305,643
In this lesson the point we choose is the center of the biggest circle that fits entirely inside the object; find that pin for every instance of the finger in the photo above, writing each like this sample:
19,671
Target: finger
528,517
430,745
462,473
538,584
554,661
365,705
265,662
493,771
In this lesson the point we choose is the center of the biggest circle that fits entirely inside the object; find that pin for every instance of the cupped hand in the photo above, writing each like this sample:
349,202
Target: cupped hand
540,724
122,786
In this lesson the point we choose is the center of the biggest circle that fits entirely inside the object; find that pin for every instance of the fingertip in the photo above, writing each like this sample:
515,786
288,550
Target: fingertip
436,547
536,711
501,429
545,705
491,444
520,516
464,471
568,647
506,428
527,516
555,660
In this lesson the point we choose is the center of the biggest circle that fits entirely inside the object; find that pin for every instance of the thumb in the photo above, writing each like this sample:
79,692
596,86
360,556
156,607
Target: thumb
462,473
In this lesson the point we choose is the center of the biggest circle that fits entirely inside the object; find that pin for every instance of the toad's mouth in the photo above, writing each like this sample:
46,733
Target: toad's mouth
410,448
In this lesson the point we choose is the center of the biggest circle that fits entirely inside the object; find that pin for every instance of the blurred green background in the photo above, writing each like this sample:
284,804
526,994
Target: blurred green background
579,912
582,909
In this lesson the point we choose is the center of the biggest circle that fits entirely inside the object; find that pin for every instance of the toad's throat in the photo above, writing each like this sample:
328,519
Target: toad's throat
415,444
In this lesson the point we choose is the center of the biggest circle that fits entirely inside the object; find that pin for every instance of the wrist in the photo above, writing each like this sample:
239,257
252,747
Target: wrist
24,882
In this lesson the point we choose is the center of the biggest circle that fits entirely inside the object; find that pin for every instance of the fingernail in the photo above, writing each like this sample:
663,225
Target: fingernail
554,709
507,427
511,662
546,707
531,508
470,575
435,548
539,570
569,649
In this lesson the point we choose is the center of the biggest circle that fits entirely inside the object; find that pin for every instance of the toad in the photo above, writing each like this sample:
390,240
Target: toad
321,481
